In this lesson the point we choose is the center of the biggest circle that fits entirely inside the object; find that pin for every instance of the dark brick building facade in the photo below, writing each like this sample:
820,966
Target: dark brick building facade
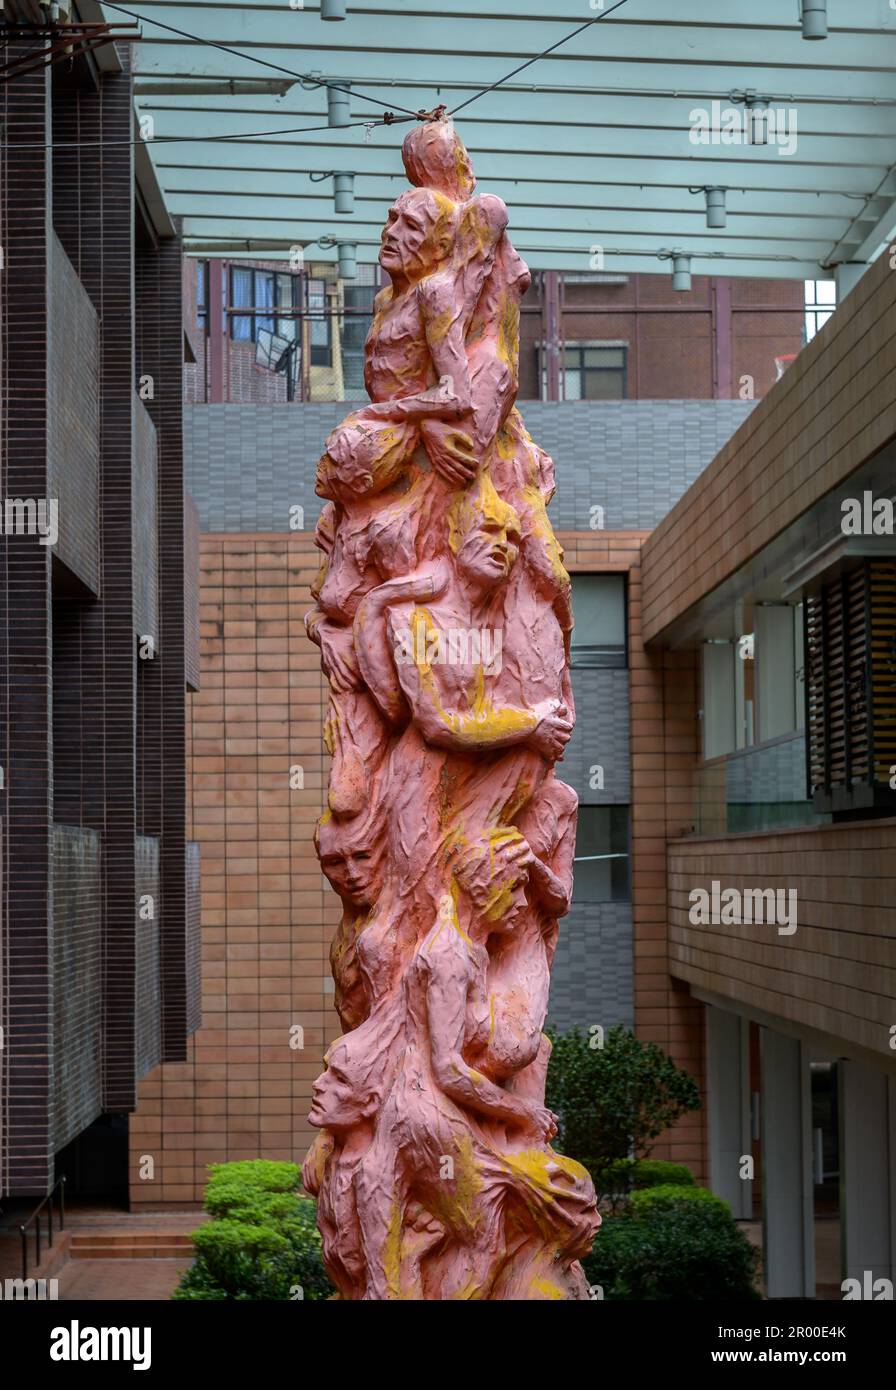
95,633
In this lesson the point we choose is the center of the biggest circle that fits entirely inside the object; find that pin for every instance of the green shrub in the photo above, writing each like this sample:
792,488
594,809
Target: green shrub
614,1100
687,1251
656,1172
262,1241
669,1196
612,1177
617,1177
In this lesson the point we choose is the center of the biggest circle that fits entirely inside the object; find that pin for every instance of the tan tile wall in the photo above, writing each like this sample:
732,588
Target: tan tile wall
829,413
837,972
267,918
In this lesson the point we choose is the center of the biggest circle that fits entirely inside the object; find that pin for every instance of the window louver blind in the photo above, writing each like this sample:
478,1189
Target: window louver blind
851,681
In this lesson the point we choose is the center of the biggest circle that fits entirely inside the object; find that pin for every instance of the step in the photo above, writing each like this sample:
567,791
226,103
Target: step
125,1237
162,1246
120,1252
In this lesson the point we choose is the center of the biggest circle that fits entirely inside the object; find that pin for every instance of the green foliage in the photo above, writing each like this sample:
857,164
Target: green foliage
671,1197
655,1172
617,1177
686,1251
262,1241
614,1101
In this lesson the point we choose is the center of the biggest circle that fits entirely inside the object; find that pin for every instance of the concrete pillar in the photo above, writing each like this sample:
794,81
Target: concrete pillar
728,1083
867,1110
788,1234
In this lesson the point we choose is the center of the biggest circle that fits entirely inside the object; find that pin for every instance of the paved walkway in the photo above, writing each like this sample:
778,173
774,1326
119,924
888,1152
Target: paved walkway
120,1280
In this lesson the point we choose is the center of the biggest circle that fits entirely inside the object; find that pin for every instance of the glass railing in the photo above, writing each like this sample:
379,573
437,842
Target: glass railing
759,788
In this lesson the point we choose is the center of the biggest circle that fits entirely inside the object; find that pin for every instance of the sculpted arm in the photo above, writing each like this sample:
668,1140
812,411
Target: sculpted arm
446,1005
485,726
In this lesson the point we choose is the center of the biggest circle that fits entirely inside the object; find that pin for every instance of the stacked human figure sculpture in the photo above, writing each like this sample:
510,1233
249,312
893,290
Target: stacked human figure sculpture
447,834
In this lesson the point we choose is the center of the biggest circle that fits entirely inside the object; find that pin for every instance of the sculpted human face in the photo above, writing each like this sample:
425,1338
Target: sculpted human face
336,1104
351,872
489,550
416,237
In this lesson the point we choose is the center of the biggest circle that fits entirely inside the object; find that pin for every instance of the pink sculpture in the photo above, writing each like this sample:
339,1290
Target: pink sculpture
443,616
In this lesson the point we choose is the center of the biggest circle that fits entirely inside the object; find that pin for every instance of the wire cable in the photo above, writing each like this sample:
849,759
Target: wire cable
172,139
263,62
538,56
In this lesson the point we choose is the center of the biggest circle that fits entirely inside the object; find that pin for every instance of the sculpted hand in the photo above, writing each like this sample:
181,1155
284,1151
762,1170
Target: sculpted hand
451,452
338,658
541,1123
553,731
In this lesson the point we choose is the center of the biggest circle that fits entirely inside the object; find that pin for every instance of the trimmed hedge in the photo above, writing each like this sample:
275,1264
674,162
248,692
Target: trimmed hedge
654,1172
262,1241
671,1197
619,1176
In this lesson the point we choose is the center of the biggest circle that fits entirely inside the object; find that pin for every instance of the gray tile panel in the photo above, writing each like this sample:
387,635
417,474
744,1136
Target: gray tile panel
600,738
247,465
593,976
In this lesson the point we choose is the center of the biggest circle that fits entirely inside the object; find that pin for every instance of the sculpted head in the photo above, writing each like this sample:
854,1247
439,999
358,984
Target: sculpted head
341,1097
351,856
484,534
434,157
419,234
491,875
364,457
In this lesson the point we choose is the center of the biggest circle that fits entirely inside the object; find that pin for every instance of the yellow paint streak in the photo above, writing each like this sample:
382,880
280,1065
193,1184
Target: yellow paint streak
392,1250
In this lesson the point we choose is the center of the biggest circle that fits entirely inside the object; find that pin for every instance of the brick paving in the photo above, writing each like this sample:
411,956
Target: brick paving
120,1280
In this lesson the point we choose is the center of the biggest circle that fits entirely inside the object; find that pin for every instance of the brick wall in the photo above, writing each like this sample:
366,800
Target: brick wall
831,411
837,972
73,417
692,346
663,733
25,690
247,466
267,918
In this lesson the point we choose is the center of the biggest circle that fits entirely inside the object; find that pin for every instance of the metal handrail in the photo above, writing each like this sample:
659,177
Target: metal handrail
59,1186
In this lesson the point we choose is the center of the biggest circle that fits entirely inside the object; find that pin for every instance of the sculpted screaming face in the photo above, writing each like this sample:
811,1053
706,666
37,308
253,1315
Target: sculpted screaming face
419,234
484,533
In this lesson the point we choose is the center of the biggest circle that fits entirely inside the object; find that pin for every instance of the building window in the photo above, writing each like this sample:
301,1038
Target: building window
202,295
821,301
264,299
242,296
320,325
851,688
594,371
753,688
358,297
286,327
599,636
602,855
260,290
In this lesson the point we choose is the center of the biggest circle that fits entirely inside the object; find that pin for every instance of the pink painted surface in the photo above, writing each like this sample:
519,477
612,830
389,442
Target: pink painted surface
442,613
